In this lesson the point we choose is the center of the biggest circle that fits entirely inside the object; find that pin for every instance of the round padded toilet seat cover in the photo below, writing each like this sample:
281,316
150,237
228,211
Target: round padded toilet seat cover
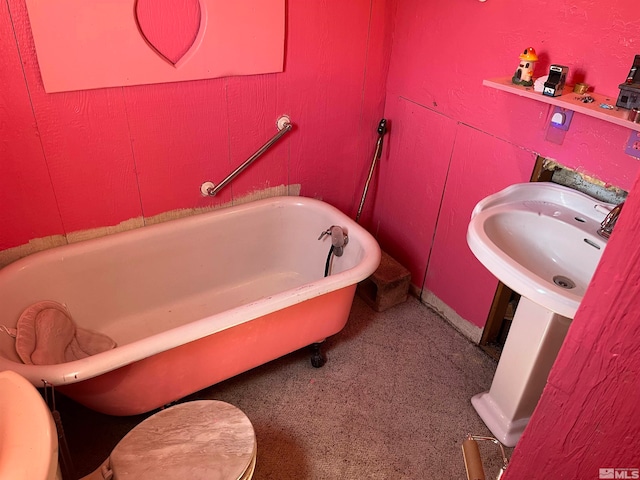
204,439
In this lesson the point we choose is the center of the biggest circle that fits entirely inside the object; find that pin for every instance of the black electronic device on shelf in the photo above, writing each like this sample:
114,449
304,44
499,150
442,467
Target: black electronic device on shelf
554,85
629,96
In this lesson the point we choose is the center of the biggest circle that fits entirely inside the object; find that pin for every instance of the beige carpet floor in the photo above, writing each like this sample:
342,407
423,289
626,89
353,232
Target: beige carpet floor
392,402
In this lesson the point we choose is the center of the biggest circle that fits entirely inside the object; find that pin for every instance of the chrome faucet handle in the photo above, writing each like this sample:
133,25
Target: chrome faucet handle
326,232
612,216
606,226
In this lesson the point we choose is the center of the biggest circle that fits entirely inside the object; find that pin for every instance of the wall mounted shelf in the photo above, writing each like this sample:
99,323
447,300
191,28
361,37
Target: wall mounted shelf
571,101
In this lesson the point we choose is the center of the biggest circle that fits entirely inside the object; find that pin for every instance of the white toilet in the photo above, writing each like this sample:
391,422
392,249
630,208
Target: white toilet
195,440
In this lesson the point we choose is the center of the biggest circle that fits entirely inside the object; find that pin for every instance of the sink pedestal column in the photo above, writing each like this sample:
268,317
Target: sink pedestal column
532,345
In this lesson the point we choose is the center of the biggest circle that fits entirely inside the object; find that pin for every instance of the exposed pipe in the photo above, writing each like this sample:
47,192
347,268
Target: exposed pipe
382,130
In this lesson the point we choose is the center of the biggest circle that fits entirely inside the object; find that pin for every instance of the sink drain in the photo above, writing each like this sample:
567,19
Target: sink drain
564,282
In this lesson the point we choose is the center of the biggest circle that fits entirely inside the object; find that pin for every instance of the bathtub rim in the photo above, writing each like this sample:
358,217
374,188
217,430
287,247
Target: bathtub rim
79,370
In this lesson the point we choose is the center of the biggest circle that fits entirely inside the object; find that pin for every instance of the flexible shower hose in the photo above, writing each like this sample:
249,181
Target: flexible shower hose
328,264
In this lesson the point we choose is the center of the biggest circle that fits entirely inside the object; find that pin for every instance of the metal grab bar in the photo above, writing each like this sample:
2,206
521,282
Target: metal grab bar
284,126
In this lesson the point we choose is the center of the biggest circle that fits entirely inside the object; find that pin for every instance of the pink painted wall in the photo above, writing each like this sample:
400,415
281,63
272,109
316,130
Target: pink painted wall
73,161
453,141
587,418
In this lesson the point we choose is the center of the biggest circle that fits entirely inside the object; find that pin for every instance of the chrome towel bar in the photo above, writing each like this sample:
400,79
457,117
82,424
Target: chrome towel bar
284,126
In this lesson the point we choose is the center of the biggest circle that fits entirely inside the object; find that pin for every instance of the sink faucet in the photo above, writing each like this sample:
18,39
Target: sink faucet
606,227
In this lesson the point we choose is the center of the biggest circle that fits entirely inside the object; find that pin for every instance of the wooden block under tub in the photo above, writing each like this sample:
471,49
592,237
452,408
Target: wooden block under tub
387,287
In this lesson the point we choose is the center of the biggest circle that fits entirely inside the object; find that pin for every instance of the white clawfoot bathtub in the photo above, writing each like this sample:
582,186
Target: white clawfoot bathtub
190,302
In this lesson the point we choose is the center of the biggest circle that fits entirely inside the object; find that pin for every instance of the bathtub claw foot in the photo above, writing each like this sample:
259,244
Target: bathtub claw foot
317,358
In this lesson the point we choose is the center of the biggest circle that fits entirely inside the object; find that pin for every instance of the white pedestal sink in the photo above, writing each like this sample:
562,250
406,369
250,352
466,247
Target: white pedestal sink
539,239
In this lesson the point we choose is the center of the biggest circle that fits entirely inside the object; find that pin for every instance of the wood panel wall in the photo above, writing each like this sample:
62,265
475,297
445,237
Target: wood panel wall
111,158
466,141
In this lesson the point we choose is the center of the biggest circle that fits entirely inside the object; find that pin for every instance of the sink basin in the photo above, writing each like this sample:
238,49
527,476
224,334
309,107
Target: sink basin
540,239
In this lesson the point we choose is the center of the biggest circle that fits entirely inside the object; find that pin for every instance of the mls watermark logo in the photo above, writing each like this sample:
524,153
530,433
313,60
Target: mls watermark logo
619,473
